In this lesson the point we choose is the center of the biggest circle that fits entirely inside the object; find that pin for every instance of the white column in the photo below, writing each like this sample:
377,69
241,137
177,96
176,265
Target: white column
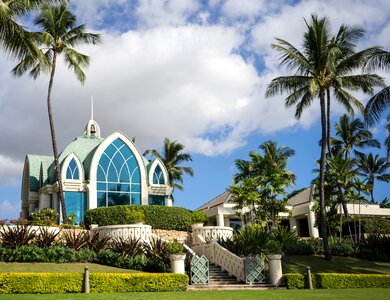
311,219
293,225
168,201
220,220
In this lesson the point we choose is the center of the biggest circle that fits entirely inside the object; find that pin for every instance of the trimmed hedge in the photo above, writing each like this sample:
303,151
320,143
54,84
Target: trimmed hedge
336,280
40,283
159,217
125,283
59,283
344,281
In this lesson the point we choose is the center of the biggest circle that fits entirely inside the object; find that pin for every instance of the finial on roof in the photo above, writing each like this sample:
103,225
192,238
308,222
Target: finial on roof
92,129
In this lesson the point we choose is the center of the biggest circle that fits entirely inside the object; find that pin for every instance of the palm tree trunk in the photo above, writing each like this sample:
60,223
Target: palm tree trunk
328,123
54,141
372,192
328,255
346,214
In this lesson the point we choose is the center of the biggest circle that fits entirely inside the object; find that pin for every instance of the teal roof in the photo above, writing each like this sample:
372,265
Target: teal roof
35,162
83,147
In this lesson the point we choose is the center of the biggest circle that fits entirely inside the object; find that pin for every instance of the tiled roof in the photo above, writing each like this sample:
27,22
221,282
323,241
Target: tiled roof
223,198
83,147
35,162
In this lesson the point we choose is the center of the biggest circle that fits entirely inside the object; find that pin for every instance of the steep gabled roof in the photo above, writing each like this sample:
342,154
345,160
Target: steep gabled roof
221,199
35,162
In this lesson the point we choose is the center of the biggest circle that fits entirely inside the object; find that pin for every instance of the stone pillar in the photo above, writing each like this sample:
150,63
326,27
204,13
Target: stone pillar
275,268
293,225
220,220
168,201
311,219
177,263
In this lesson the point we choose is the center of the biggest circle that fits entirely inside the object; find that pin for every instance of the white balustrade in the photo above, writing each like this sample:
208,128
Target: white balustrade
210,233
133,231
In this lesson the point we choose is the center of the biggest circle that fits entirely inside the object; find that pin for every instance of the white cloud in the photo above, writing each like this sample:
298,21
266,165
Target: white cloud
10,171
9,209
243,8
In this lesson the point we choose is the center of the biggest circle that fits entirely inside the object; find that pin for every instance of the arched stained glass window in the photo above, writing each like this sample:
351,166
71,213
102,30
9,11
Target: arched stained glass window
158,176
72,172
118,176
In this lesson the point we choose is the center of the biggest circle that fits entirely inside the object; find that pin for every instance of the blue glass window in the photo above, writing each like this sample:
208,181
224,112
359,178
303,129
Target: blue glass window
158,176
72,172
118,176
156,200
76,203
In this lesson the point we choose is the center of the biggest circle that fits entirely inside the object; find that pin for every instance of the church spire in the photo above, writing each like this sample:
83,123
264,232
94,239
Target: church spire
92,129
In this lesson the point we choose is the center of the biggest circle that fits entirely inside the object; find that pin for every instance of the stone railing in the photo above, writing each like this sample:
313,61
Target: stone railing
133,231
209,233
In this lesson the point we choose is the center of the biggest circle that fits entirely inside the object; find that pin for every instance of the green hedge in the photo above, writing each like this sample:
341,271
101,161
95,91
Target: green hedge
159,217
344,281
40,283
124,283
336,280
60,283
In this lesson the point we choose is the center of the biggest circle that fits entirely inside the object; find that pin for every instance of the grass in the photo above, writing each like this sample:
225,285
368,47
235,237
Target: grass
357,294
60,268
298,264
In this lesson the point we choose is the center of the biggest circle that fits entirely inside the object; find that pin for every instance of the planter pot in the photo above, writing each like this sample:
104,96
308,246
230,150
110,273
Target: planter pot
275,268
177,263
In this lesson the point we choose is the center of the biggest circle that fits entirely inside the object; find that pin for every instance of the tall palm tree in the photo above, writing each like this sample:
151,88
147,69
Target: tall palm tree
381,101
387,140
59,35
324,64
373,168
15,40
352,133
172,156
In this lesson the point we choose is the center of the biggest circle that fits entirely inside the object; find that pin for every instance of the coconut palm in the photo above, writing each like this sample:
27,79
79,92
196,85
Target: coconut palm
324,65
59,35
352,133
381,101
172,156
373,168
15,40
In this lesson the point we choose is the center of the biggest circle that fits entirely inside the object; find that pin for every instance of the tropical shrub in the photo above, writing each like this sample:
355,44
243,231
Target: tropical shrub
300,247
158,256
344,281
126,247
44,217
75,239
342,247
175,247
96,242
375,247
293,281
198,216
45,237
14,236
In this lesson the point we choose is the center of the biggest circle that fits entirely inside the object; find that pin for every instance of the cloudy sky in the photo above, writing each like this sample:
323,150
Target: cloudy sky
193,71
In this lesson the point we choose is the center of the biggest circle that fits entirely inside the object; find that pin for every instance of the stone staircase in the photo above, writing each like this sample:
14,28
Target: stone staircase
220,280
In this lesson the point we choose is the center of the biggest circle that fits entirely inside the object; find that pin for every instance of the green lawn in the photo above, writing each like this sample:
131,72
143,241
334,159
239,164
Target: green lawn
60,268
366,294
297,264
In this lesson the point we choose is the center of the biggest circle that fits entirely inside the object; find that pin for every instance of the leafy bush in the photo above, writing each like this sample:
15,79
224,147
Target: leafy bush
198,216
343,281
61,254
125,283
376,225
44,217
159,217
113,215
175,247
14,236
300,247
343,247
158,256
293,281
76,239
96,242
110,258
126,247
253,240
45,237
375,247
284,235
85,255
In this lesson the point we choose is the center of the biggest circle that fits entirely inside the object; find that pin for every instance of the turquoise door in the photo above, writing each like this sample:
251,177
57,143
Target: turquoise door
76,203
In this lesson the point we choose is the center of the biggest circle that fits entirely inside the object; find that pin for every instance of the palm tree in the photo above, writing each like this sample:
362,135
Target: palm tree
172,156
352,133
373,167
387,140
324,64
59,35
15,40
381,101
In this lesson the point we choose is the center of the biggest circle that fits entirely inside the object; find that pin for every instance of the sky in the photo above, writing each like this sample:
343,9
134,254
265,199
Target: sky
192,71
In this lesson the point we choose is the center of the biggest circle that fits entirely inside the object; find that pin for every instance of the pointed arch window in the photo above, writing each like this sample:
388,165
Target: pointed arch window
118,176
158,175
72,172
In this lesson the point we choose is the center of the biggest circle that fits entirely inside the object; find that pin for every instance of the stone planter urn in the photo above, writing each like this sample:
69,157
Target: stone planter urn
177,263
275,268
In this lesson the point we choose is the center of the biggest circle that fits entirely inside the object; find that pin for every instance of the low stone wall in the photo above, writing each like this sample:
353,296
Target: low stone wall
174,235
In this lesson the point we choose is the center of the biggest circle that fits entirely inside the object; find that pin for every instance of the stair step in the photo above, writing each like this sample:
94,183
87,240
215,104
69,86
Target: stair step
216,287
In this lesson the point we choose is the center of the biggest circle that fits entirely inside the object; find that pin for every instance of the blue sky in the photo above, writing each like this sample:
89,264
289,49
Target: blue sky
193,71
